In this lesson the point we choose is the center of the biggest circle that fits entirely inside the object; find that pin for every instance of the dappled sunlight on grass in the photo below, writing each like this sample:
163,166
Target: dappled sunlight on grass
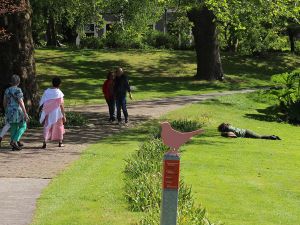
153,73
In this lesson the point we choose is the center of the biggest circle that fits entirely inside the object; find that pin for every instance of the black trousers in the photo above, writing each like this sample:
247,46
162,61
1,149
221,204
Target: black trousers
251,134
111,103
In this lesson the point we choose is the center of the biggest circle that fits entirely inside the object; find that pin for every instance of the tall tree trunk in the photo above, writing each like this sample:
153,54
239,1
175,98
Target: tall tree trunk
17,56
232,40
209,66
292,40
51,32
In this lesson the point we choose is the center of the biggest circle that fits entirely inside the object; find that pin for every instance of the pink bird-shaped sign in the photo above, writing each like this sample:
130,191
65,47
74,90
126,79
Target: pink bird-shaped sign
173,138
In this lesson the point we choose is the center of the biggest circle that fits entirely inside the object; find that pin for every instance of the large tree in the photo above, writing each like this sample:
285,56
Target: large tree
250,19
17,50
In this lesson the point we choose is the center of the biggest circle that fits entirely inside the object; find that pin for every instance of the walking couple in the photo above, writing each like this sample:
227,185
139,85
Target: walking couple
16,117
115,89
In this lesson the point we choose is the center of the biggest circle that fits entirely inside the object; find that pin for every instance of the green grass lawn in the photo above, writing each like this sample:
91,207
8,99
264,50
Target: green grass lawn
90,191
239,181
243,181
153,73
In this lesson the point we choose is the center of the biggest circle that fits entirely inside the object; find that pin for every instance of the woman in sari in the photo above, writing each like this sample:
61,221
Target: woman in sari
15,112
53,113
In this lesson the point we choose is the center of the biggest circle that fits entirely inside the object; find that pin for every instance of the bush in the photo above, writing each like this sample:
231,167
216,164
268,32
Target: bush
92,42
186,125
75,119
123,38
160,40
288,95
143,183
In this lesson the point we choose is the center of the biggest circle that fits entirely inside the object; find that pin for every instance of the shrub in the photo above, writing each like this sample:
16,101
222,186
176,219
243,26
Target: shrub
288,95
75,119
123,38
92,42
186,125
34,122
160,40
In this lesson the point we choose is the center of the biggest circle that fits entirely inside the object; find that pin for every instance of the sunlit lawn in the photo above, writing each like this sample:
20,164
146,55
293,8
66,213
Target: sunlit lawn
239,181
153,73
243,181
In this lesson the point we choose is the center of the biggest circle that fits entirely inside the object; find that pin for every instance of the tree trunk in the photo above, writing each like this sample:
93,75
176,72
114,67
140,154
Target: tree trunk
232,40
51,32
292,40
17,56
209,66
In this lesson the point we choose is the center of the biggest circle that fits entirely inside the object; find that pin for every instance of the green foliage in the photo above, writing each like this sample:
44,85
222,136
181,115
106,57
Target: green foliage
180,28
123,38
248,26
158,39
185,125
136,14
143,182
67,15
75,119
288,95
92,43
289,91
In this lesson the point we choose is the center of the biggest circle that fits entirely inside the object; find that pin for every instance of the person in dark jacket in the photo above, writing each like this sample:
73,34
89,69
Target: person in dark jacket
108,91
120,89
227,130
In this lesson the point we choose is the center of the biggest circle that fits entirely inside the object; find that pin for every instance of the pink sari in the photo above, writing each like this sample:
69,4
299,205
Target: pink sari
52,118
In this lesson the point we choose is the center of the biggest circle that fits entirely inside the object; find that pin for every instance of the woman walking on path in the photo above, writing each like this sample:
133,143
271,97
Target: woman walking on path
121,88
53,114
108,91
15,112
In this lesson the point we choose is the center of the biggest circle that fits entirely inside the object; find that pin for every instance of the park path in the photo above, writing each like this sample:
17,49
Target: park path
24,174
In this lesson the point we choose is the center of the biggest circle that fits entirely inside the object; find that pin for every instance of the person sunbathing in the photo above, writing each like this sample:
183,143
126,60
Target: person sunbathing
227,130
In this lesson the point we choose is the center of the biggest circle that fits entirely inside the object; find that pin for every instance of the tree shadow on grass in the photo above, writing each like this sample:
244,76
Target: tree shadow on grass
269,114
83,72
261,68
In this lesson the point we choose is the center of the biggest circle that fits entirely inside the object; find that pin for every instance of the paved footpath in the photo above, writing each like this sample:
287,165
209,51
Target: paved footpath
24,174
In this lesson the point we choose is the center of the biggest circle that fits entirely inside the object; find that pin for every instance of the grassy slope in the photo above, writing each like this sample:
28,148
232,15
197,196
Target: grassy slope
239,181
154,73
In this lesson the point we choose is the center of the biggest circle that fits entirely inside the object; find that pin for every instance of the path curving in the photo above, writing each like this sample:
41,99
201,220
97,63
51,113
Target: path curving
24,174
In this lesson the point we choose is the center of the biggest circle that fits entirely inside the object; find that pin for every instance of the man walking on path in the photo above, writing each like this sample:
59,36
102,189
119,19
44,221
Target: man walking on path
121,88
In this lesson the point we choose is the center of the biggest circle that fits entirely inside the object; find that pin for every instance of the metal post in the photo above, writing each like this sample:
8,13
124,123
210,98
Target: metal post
169,205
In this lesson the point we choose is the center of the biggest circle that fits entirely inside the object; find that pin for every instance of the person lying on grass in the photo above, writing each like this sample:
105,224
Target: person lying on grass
227,130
